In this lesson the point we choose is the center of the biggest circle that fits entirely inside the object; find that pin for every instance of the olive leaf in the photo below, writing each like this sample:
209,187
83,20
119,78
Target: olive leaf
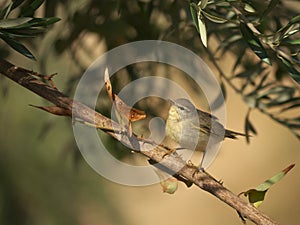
193,9
202,4
256,196
219,101
198,20
294,42
30,8
214,18
295,74
249,8
202,29
269,9
16,45
254,43
7,10
11,29
249,128
12,23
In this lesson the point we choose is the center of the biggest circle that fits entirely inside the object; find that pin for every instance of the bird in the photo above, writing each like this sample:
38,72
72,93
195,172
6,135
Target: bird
193,128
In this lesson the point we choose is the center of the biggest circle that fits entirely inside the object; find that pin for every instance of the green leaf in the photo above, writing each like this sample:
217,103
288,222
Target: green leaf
290,107
223,88
214,18
12,23
257,195
238,61
31,8
36,22
202,4
17,46
292,123
295,74
296,19
169,185
199,20
268,183
280,93
249,128
6,11
270,7
39,22
202,29
244,74
219,101
222,3
254,43
193,9
294,42
278,102
46,21
291,28
28,33
249,8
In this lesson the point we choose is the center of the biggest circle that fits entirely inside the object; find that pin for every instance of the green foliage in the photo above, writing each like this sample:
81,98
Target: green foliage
269,29
199,13
24,26
237,23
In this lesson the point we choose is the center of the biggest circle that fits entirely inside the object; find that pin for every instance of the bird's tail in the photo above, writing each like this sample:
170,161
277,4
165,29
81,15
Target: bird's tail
232,134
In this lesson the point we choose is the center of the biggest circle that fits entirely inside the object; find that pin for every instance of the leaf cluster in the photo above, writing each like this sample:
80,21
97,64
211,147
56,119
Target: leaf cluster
253,26
262,35
24,25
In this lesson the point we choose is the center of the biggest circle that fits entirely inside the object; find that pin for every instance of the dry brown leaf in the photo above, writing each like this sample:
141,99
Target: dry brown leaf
108,85
125,114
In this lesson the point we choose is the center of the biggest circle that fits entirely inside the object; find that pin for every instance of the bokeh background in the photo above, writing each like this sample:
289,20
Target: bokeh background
43,178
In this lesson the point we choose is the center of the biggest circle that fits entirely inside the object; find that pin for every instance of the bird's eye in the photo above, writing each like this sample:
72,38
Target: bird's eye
181,108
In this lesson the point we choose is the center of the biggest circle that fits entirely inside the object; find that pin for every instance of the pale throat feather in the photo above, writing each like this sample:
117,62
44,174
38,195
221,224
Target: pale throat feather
173,124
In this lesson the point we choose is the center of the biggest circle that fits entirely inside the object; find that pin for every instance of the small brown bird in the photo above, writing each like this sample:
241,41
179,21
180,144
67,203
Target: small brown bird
194,129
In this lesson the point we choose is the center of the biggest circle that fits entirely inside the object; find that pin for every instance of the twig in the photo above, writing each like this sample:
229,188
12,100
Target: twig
237,10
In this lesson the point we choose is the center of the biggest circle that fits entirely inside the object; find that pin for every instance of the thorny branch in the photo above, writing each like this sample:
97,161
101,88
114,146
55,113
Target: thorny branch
68,107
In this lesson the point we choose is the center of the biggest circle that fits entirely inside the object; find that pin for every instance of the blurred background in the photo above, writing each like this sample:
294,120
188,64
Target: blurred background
43,177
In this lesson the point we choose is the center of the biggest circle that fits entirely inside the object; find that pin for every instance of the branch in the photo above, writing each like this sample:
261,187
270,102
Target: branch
148,148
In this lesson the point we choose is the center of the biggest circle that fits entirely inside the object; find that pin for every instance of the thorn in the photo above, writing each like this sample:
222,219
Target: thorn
45,77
